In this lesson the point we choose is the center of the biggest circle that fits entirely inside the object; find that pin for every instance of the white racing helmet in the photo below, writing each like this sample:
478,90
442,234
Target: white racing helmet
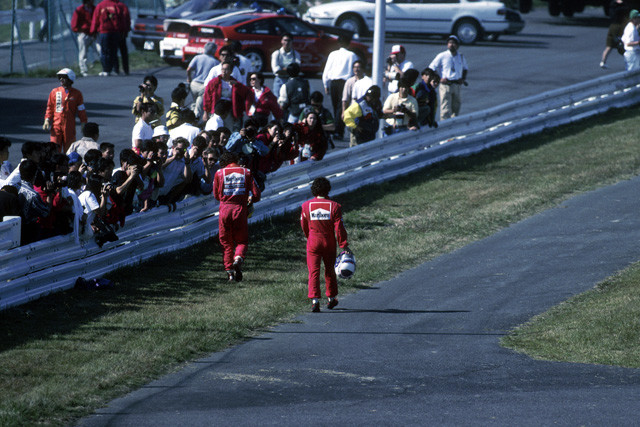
345,265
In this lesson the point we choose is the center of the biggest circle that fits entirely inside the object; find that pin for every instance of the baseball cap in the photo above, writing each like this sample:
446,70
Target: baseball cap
74,158
398,48
160,131
454,38
67,72
633,14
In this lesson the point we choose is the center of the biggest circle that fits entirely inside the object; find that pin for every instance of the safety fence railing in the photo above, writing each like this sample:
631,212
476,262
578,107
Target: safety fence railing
35,270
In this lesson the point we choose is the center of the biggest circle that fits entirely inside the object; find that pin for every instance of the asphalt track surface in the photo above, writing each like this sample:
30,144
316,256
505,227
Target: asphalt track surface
423,348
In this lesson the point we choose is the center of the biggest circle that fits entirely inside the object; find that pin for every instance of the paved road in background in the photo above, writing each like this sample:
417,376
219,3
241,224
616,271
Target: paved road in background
550,53
423,348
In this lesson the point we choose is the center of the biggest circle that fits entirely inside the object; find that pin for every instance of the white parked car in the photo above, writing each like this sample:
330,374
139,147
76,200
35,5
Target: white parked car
470,20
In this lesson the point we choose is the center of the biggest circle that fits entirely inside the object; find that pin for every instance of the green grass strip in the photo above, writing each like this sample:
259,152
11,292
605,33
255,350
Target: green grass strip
67,354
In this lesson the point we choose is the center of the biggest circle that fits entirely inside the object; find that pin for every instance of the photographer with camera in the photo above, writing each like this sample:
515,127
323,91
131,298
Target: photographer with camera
397,64
125,183
400,110
148,94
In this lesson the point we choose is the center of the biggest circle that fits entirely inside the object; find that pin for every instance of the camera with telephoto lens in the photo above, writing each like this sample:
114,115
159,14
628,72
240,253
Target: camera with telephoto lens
142,87
390,61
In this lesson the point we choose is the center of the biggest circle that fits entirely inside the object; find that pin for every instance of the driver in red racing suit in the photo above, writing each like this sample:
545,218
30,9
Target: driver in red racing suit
236,189
321,221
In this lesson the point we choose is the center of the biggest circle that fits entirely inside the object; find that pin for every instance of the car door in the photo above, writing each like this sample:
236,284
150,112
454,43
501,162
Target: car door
437,15
403,16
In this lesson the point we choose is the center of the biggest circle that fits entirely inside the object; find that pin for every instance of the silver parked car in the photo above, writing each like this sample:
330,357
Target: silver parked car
470,20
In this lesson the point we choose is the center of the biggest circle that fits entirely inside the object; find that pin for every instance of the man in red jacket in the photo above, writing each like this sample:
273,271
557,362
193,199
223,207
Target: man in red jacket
81,25
109,19
63,105
321,221
236,189
225,88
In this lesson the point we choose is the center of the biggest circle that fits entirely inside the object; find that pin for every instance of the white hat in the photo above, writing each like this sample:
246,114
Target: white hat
397,49
160,131
67,72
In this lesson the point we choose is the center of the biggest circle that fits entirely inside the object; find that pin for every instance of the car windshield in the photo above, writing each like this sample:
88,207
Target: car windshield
196,6
229,20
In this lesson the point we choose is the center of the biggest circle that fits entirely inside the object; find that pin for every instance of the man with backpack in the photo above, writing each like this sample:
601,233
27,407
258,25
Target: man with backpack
294,94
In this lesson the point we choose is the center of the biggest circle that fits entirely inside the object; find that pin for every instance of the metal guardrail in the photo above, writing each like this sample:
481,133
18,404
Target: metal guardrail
35,270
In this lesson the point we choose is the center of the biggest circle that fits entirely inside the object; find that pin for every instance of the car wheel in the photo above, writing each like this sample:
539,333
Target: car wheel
567,8
256,58
554,7
352,23
468,31
525,6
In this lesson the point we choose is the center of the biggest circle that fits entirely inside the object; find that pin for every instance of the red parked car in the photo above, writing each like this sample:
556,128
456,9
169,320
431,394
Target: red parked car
260,35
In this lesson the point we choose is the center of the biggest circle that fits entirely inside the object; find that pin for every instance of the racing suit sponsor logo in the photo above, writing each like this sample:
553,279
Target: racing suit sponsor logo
58,102
234,184
320,214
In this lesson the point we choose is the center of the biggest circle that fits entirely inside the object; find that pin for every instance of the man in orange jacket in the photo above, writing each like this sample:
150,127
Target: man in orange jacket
236,189
63,105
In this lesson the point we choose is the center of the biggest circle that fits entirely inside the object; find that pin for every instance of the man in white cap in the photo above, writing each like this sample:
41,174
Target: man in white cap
452,68
197,72
64,104
397,64
631,40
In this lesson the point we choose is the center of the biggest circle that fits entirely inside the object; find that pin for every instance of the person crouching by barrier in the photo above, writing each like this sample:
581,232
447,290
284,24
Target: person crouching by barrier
321,222
236,190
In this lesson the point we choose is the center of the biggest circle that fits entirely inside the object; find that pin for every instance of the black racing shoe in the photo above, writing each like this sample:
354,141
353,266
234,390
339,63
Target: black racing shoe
332,303
315,307
237,268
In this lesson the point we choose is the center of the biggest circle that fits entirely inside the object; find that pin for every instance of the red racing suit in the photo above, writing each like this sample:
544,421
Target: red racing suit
232,186
321,221
62,108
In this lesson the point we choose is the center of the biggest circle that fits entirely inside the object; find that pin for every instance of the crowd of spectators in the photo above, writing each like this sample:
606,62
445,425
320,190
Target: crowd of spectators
64,185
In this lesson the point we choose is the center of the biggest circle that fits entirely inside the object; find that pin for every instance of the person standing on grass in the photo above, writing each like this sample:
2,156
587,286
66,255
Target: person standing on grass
236,190
321,221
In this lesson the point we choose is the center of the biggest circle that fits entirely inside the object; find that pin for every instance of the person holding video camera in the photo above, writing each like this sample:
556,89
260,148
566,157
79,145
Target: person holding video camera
397,64
452,68
148,94
400,110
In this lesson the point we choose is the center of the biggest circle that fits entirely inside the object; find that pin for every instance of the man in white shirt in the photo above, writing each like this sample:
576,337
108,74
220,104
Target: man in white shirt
338,69
186,130
631,40
397,64
452,68
143,130
356,86
280,59
225,54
